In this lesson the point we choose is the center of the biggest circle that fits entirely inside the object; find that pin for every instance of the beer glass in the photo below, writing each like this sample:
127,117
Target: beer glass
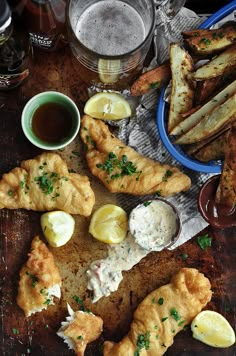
110,39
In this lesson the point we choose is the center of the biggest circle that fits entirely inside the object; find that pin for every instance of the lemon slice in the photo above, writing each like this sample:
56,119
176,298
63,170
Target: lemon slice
107,106
109,224
108,70
57,227
212,329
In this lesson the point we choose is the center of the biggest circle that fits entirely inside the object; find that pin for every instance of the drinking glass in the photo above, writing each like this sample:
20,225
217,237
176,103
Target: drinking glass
110,39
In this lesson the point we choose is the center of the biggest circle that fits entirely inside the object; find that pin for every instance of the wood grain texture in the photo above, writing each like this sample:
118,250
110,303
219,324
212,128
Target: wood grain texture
18,227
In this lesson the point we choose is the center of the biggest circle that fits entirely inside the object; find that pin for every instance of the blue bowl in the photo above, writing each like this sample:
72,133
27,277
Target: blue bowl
162,112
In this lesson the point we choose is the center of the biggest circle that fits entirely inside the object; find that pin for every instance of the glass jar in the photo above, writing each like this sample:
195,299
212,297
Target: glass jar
15,51
110,39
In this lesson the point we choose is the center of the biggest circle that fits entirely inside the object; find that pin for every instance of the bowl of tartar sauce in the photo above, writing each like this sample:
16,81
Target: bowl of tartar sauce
155,224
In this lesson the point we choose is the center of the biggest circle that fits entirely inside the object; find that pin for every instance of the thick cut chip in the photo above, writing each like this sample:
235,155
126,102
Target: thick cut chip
219,65
226,192
219,117
182,93
204,110
213,150
204,42
152,79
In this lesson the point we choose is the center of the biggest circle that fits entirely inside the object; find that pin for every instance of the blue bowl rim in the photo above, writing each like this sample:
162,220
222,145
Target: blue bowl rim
161,107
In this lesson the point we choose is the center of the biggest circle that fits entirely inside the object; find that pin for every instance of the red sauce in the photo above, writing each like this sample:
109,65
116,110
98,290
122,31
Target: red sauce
52,122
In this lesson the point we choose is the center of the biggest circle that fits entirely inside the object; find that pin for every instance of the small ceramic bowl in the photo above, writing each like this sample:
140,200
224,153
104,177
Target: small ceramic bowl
56,100
216,215
155,224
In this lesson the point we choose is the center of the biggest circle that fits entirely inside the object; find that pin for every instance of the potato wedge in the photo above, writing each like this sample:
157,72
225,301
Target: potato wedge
205,89
182,93
152,79
195,147
205,42
204,110
214,150
226,192
220,65
219,117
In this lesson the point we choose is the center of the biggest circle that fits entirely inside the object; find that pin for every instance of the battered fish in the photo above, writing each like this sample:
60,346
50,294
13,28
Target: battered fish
122,169
40,280
79,329
44,184
162,314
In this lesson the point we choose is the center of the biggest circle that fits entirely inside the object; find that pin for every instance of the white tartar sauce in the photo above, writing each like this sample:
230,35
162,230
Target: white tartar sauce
153,226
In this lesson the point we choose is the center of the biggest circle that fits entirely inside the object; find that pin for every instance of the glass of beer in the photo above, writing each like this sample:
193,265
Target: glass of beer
110,39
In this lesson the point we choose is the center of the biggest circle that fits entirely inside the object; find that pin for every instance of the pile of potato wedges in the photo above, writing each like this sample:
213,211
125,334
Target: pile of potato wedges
202,105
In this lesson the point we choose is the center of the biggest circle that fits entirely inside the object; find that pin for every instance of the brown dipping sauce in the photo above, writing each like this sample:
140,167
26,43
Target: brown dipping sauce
216,214
52,122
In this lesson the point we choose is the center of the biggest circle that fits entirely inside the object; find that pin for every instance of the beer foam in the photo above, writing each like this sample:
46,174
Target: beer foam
110,28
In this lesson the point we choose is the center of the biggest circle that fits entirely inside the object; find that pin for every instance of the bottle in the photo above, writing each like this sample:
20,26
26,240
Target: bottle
45,22
15,51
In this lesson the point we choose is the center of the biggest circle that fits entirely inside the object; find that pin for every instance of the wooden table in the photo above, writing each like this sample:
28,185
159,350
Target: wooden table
57,71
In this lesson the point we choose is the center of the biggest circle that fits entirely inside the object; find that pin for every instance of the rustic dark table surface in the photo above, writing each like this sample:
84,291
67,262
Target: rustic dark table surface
57,71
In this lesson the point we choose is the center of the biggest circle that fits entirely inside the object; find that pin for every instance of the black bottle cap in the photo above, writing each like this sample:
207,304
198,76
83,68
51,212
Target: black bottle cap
5,12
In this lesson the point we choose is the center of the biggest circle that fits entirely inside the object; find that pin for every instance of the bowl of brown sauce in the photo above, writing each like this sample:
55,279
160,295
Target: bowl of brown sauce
50,120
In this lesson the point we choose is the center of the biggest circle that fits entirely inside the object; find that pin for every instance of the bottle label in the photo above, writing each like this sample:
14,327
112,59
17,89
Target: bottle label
11,81
42,40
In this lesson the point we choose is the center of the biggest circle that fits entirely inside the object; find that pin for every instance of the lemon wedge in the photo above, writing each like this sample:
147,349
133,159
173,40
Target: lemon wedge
212,329
107,106
108,70
109,224
57,227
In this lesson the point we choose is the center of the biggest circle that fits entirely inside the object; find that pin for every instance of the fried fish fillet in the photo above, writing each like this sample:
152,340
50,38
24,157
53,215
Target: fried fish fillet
122,169
162,314
44,184
40,279
79,329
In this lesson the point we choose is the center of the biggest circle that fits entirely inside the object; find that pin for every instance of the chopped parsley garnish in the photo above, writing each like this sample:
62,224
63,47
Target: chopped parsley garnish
204,241
80,337
146,203
164,319
45,184
75,153
142,342
15,331
47,301
167,175
10,192
160,301
33,277
175,315
122,167
181,322
155,85
79,301
206,41
158,193
184,256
